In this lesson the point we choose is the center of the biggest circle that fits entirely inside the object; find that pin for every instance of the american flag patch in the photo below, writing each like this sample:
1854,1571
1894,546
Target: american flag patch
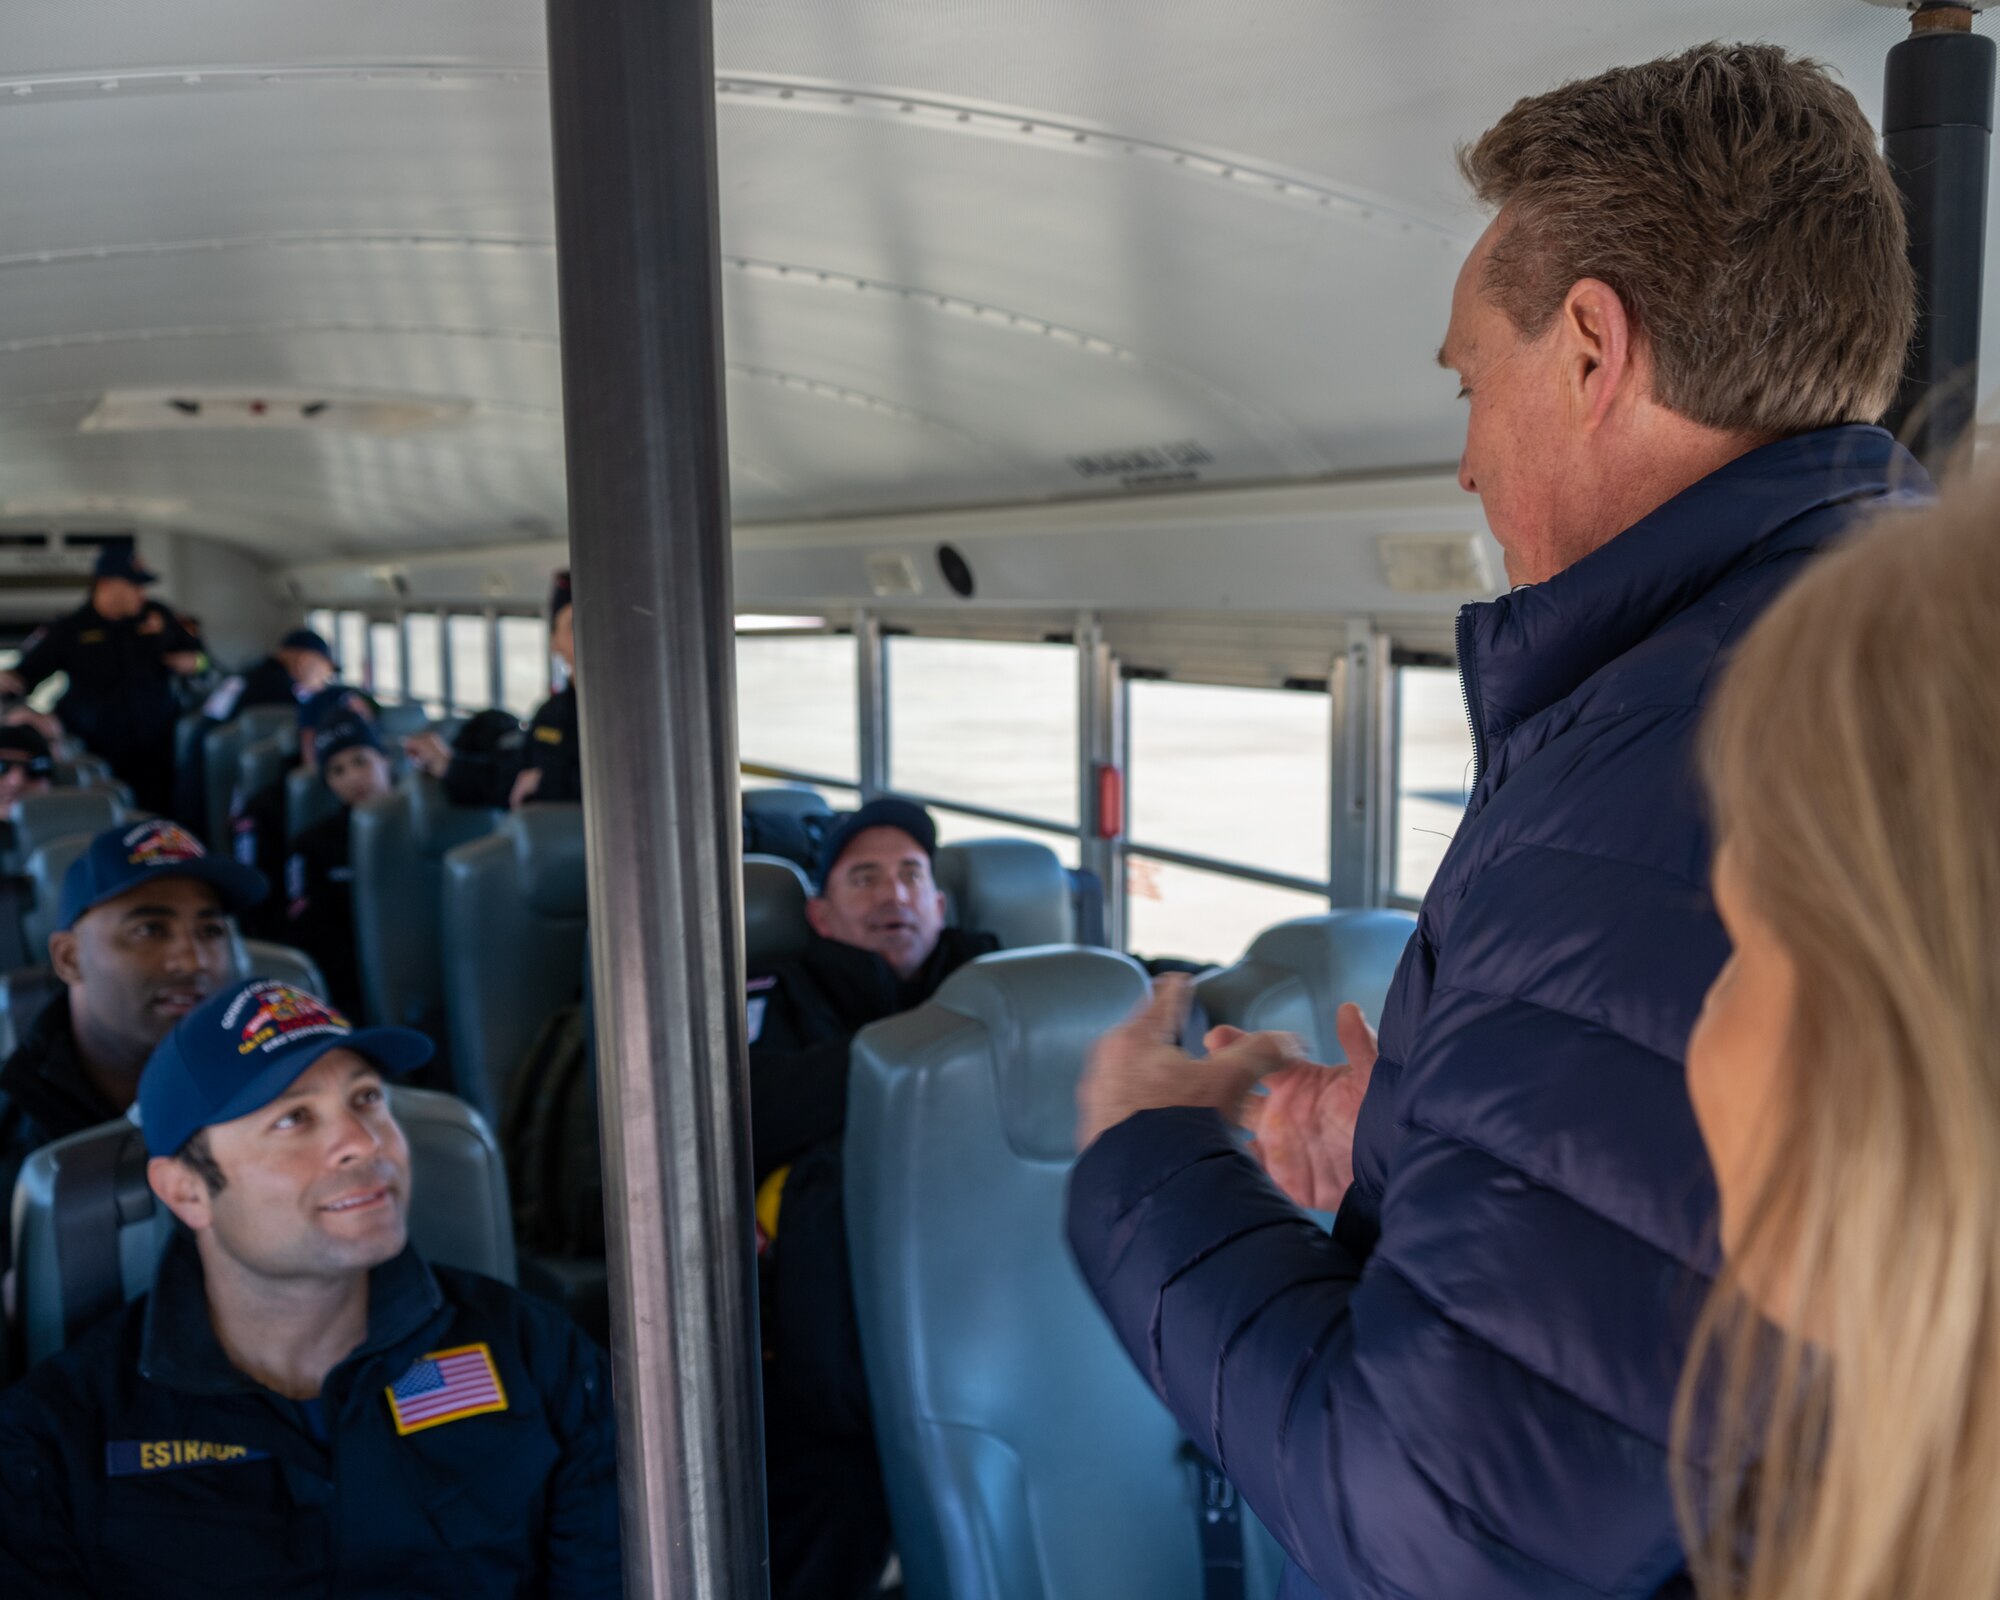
444,1386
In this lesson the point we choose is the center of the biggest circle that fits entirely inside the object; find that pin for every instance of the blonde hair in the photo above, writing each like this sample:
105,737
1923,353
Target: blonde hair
1853,757
1734,197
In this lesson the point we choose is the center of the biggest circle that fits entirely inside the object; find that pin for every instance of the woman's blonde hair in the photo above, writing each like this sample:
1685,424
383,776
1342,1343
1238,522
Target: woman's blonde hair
1853,758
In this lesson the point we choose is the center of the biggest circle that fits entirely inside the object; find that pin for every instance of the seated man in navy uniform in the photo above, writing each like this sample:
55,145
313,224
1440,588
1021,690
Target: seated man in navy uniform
122,653
142,938
547,765
319,879
879,947
301,1406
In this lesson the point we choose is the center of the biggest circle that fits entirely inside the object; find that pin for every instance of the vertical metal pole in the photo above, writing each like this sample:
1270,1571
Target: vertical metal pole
494,677
1099,744
871,684
446,687
632,84
1937,127
1356,686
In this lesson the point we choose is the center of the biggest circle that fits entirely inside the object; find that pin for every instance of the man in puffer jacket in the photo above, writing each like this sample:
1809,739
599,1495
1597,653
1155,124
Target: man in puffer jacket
1691,300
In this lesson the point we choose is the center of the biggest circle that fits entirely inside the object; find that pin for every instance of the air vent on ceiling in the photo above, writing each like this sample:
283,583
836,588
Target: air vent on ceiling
1434,563
178,410
892,573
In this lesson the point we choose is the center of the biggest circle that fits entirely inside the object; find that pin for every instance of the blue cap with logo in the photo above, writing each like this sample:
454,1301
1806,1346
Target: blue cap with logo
239,1050
134,853
344,733
885,812
122,561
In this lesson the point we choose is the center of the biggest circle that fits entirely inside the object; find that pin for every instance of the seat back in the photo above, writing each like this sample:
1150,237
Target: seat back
400,719
397,846
1013,889
1023,1454
513,927
38,818
775,929
221,751
262,762
23,993
1295,976
787,800
88,1232
44,872
307,800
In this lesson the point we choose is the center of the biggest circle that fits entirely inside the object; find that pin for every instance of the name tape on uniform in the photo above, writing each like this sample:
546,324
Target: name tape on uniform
128,1458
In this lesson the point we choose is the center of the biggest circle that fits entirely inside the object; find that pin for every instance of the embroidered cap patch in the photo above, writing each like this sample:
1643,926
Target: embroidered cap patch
444,1386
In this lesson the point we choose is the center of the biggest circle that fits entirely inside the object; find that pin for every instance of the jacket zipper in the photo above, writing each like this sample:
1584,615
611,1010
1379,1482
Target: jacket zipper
1468,687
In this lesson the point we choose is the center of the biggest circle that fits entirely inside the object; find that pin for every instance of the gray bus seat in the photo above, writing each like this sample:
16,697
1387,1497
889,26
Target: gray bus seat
44,872
774,912
53,813
83,771
79,1193
787,799
221,748
513,943
307,801
260,958
1013,889
1295,976
1022,1452
397,845
400,719
263,762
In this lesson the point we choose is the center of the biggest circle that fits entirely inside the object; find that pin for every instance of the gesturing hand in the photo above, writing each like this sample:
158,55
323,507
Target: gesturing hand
428,752
1140,1066
1304,1125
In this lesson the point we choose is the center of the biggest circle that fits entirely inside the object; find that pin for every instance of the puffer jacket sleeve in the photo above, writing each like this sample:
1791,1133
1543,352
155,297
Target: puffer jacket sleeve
1479,1410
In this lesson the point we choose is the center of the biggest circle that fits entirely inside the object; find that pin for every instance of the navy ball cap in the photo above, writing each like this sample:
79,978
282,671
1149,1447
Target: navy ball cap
886,812
122,561
133,853
307,640
239,1050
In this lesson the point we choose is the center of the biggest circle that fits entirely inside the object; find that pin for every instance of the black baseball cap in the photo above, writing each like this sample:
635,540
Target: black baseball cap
122,561
341,734
239,1050
22,740
887,811
306,639
133,853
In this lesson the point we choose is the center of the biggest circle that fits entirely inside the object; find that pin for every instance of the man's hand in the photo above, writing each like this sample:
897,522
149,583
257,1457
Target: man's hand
10,683
185,662
1140,1066
428,752
525,784
1304,1126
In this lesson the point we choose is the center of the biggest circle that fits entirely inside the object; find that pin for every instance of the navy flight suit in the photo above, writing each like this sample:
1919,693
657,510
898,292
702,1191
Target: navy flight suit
140,1462
120,701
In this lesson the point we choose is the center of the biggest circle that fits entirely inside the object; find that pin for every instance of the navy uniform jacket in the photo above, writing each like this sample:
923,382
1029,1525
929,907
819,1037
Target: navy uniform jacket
1466,1393
550,748
140,1462
121,691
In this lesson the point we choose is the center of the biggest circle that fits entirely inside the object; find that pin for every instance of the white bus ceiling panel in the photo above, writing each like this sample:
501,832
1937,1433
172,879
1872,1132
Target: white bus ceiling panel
1222,236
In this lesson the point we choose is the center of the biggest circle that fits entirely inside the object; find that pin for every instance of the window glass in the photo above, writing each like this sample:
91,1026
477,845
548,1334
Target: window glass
471,686
524,664
954,827
1173,910
1433,772
985,721
424,678
323,623
1237,774
795,705
386,648
351,646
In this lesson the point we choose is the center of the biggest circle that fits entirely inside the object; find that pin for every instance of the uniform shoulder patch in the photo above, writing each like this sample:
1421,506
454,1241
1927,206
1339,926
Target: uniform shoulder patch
549,735
445,1386
130,1458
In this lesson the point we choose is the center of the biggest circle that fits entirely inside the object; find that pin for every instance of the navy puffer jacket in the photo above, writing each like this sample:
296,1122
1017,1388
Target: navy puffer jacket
1464,1393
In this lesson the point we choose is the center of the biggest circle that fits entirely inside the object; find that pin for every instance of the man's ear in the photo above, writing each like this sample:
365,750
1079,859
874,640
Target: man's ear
63,957
818,917
1599,357
181,1190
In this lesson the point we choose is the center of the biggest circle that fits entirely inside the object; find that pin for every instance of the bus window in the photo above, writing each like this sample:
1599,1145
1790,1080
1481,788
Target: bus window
385,660
471,681
796,712
1238,775
1172,910
424,675
323,623
992,723
955,827
1433,773
524,664
351,645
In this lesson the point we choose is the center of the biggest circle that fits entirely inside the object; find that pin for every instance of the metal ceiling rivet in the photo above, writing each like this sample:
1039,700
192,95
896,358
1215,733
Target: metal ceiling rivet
191,78
906,106
108,83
